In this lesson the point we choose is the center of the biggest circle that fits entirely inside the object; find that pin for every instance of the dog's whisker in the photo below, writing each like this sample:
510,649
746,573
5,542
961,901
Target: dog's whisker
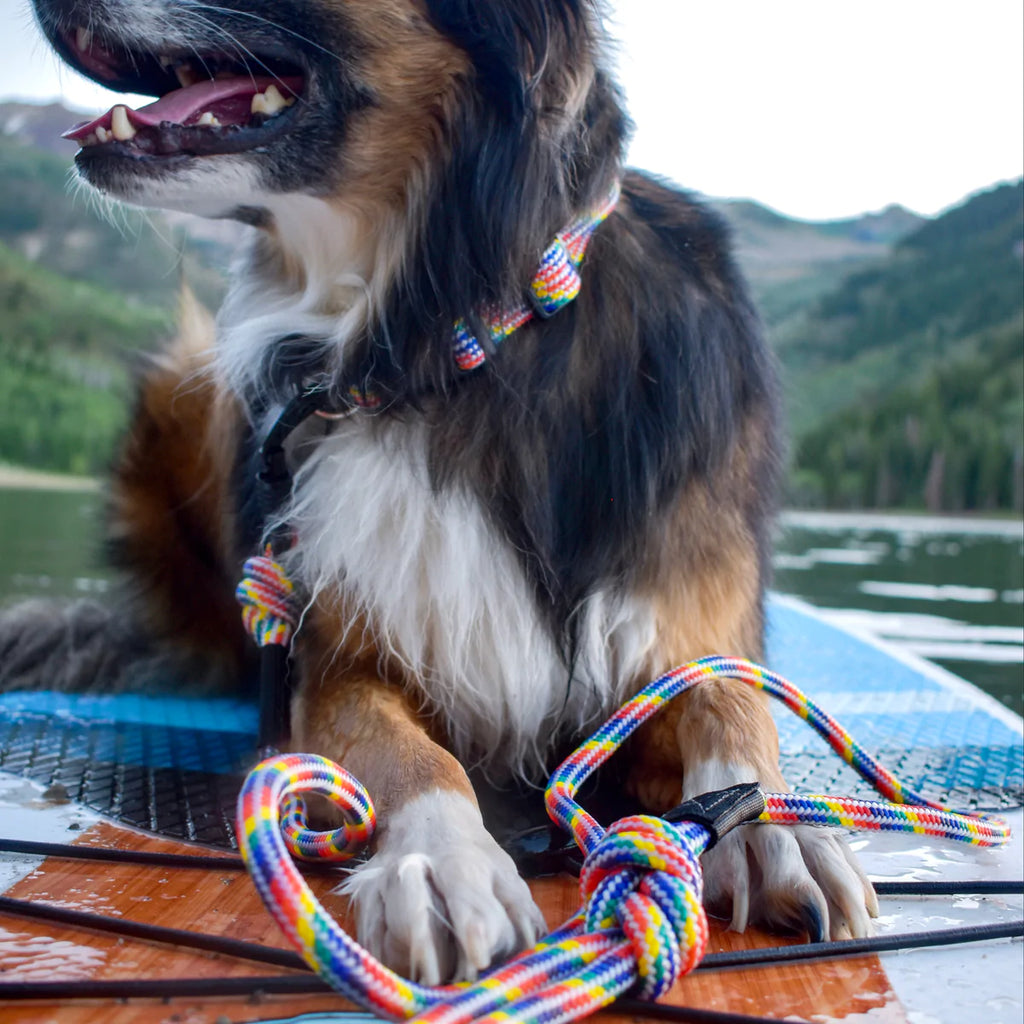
243,53
276,26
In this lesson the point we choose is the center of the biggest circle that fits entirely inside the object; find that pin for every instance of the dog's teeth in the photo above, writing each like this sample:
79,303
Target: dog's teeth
208,118
270,102
185,75
120,127
275,99
83,39
102,135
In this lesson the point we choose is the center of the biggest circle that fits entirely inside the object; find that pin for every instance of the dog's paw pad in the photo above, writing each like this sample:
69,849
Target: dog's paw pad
440,900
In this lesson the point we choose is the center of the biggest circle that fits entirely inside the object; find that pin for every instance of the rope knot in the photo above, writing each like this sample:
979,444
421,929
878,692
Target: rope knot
265,594
644,877
557,282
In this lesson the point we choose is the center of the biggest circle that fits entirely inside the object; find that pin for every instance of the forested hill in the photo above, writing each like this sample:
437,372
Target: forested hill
906,382
900,338
82,291
52,221
790,263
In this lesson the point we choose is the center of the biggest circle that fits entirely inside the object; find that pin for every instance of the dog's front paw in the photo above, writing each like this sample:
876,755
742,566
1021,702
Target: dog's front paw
801,877
440,900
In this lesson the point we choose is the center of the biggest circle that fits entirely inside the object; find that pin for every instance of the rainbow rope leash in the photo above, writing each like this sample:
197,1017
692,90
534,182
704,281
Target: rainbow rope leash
641,924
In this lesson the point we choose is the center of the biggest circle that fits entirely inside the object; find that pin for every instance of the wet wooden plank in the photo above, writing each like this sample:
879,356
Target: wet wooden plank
226,903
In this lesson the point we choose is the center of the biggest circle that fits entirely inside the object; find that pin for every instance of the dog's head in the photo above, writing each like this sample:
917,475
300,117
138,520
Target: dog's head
320,97
410,159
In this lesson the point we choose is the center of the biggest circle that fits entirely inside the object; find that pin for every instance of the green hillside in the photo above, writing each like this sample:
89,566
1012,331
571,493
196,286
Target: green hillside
48,218
81,289
906,383
791,263
65,347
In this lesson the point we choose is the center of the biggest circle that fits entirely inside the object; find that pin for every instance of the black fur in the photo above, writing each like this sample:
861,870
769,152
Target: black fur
574,466
579,468
509,182
82,646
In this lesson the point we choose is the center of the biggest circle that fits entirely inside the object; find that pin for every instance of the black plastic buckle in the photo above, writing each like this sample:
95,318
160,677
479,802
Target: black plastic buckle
722,810
544,850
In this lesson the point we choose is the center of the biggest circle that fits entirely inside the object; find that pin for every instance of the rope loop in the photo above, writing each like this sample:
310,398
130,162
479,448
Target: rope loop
642,924
644,877
282,779
266,596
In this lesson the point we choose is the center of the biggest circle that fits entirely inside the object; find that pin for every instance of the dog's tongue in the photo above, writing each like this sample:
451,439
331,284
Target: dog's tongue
228,98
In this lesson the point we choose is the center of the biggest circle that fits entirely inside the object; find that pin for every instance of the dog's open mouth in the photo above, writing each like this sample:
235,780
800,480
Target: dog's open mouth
206,104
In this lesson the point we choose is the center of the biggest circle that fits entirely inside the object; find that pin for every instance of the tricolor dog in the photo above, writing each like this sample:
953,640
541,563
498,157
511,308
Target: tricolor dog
513,510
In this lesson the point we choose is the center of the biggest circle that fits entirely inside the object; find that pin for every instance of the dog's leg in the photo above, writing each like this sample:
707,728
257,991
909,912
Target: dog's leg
439,899
802,877
721,733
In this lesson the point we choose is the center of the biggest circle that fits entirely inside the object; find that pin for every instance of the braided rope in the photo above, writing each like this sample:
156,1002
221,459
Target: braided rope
556,283
641,925
265,594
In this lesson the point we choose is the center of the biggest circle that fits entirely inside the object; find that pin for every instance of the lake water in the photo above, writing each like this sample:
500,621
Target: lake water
950,590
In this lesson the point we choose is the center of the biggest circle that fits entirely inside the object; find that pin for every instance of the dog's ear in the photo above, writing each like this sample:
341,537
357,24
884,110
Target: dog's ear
512,178
510,41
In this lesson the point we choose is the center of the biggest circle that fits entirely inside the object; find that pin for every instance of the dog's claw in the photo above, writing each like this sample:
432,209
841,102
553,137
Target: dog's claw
790,877
813,923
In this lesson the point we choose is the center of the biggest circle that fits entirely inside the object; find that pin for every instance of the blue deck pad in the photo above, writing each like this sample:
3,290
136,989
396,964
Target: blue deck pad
173,765
125,743
220,714
943,739
876,697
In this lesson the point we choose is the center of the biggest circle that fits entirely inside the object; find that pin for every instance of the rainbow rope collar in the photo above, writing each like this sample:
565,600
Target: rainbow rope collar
641,924
555,284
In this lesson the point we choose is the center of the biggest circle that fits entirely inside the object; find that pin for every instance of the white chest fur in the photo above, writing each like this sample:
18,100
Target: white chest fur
448,598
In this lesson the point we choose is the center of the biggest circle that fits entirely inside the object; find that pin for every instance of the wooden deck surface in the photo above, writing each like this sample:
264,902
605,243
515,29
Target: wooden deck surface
226,903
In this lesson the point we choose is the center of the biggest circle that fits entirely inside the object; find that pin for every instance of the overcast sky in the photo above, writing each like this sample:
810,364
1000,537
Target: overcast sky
818,108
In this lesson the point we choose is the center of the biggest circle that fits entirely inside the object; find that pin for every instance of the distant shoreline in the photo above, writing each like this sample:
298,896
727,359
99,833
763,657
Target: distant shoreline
19,478
1007,524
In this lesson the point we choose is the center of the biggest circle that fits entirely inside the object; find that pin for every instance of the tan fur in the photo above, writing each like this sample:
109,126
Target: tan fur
706,602
346,710
172,509
414,71
169,499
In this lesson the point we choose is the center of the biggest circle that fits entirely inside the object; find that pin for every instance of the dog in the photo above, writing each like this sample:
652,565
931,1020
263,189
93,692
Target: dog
495,552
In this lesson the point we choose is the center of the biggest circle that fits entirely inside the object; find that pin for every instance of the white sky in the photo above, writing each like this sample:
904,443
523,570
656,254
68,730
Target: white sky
818,108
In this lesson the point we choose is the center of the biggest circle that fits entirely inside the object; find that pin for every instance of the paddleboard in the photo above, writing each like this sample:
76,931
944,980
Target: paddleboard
154,773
